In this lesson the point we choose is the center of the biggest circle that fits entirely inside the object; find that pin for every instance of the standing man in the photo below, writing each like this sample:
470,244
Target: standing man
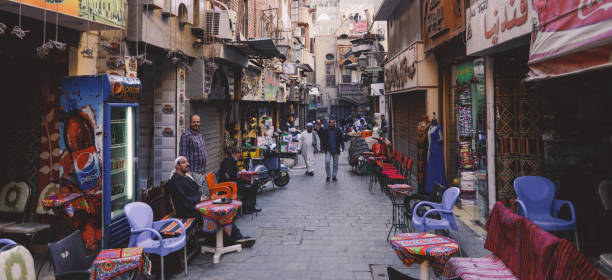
332,144
383,127
309,145
192,147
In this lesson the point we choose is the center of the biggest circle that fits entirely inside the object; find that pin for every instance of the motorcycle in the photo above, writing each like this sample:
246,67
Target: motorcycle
269,169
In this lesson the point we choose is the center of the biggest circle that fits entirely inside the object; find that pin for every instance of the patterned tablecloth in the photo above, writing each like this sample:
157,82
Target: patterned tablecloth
70,202
218,216
402,189
113,262
415,247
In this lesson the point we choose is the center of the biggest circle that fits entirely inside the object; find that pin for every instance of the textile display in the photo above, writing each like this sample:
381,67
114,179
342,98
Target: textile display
218,216
415,247
489,267
113,262
67,202
173,229
422,147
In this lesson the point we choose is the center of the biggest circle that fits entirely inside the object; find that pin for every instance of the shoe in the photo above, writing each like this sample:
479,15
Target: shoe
334,179
255,210
246,241
312,173
327,179
307,173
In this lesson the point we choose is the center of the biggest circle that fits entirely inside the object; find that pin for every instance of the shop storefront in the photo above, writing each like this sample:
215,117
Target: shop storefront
411,81
570,76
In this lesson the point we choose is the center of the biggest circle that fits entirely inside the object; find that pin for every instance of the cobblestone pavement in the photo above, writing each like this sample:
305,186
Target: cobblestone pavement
312,229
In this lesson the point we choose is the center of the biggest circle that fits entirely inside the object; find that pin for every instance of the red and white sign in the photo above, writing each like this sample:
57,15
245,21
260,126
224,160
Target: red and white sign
573,36
493,22
360,26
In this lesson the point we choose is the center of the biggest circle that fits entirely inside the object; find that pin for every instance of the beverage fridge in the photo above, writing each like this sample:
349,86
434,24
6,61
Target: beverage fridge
99,146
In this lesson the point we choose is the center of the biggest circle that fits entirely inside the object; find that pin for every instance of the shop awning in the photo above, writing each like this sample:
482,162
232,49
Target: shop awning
305,67
258,48
572,37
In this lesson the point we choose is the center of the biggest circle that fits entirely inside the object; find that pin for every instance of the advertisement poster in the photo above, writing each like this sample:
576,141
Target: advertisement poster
80,149
251,86
271,83
111,12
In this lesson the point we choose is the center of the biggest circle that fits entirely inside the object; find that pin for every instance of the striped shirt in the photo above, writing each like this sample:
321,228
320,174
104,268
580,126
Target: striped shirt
192,147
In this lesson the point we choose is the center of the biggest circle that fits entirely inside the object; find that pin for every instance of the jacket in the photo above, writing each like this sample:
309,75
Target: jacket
324,135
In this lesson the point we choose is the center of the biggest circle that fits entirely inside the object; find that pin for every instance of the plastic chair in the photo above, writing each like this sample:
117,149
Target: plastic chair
68,258
19,262
604,264
145,233
536,200
218,190
444,209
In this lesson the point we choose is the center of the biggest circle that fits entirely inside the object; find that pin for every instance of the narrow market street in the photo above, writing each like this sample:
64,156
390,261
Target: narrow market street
311,229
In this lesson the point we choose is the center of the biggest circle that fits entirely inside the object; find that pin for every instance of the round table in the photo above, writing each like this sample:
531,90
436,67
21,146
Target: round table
217,218
423,248
400,219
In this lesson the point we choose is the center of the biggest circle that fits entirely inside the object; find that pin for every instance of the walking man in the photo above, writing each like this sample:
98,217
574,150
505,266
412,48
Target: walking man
309,145
192,147
332,144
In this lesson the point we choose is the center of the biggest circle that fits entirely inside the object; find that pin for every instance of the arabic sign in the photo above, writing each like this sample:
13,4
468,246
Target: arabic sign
572,36
271,83
111,12
400,72
442,20
493,22
360,26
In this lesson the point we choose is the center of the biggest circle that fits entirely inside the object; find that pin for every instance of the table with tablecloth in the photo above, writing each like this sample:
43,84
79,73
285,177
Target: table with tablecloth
423,248
116,262
218,218
69,202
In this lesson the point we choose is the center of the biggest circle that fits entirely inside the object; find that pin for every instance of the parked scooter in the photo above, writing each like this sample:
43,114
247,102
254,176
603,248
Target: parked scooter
269,169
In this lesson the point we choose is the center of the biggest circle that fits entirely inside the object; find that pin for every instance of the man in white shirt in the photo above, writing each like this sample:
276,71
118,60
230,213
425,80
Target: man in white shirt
309,144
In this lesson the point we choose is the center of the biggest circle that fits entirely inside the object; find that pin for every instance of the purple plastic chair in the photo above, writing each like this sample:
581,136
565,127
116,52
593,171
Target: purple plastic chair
145,233
536,200
444,209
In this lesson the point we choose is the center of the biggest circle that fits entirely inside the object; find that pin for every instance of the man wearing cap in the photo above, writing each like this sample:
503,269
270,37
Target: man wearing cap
185,194
308,145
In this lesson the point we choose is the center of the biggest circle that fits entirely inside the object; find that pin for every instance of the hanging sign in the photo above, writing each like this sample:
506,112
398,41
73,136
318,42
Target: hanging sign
110,12
491,23
251,86
271,83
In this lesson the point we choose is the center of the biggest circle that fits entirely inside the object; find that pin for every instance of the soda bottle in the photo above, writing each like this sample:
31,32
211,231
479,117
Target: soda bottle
80,142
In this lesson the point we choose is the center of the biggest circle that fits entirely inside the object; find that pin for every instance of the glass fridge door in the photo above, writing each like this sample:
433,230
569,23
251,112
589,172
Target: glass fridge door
122,138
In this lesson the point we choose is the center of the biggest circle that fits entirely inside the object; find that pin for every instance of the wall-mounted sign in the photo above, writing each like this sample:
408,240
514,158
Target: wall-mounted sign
360,26
442,20
434,18
400,72
251,86
110,12
271,83
490,23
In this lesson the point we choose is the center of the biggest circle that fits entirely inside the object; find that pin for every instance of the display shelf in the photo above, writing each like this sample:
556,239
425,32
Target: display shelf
118,121
121,145
117,171
117,196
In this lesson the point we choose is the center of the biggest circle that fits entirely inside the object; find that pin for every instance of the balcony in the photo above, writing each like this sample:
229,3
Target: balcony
348,88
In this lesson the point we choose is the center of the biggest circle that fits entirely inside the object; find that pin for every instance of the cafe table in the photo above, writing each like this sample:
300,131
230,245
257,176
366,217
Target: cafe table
217,218
424,249
123,263
398,194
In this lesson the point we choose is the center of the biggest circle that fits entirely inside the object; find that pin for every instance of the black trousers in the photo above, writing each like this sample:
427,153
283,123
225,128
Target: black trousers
247,193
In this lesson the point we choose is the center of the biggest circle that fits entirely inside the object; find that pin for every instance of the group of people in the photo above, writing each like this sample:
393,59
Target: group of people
328,140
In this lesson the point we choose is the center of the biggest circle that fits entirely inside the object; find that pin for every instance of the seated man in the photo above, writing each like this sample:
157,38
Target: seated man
185,194
229,173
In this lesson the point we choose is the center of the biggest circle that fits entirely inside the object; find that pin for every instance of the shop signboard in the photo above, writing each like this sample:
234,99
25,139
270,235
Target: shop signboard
572,36
492,23
401,71
442,20
109,12
360,26
271,84
251,86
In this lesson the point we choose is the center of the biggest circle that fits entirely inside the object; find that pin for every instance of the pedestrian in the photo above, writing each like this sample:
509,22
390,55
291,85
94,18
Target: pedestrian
185,195
383,127
193,148
309,144
318,127
229,173
332,145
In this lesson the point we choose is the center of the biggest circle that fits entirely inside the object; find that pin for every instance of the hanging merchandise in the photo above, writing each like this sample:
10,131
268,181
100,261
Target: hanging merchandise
435,157
422,148
465,132
17,30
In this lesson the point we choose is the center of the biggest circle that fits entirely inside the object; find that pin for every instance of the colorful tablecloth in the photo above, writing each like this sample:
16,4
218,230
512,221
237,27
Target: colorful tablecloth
402,189
113,262
489,267
218,216
70,202
415,247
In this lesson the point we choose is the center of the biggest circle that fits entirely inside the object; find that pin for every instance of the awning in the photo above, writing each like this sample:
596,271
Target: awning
305,67
258,48
386,9
572,37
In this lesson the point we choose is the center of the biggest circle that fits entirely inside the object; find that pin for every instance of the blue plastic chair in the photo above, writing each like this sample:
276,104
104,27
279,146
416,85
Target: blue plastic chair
145,233
536,200
444,209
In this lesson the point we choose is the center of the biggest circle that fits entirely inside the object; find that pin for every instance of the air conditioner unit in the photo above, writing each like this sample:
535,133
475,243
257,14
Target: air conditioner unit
216,24
233,23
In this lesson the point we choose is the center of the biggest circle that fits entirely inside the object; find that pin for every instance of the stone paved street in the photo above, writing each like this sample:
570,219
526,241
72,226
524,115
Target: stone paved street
311,229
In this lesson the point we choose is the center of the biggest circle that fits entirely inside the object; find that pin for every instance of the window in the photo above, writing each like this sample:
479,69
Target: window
330,74
330,56
295,4
346,75
245,19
